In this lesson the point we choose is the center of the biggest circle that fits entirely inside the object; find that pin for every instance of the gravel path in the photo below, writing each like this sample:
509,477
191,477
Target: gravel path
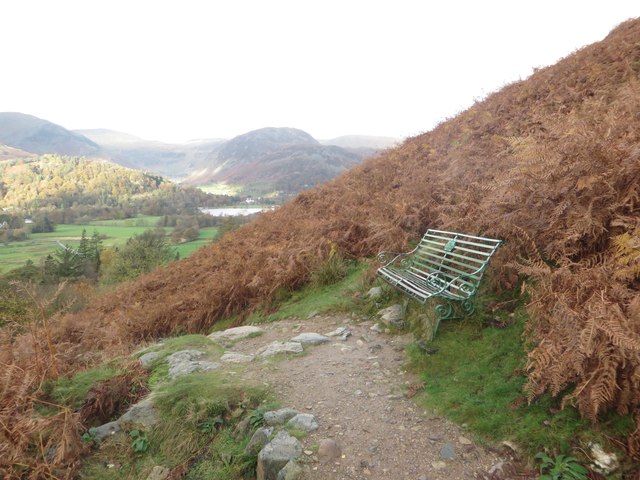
357,388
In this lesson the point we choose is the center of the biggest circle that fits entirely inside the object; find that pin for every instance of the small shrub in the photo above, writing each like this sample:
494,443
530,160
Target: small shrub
140,442
560,468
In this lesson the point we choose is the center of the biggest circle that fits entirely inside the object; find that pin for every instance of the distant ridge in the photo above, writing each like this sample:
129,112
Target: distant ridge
275,159
35,135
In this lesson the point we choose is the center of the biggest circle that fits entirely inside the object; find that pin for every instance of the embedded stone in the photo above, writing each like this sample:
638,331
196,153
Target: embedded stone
236,333
278,417
276,454
303,421
310,337
280,347
233,357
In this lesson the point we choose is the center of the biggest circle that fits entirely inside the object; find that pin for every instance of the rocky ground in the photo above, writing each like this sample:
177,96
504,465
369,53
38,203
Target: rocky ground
358,390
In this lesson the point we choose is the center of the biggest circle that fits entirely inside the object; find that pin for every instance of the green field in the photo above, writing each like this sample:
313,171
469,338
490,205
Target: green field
39,245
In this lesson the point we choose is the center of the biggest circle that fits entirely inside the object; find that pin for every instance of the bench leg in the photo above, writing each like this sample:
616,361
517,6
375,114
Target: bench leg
469,306
444,311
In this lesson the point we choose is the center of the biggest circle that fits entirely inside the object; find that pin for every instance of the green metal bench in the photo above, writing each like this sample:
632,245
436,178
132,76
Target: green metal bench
444,264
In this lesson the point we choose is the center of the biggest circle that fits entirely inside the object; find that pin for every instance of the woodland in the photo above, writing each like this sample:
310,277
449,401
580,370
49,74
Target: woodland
550,164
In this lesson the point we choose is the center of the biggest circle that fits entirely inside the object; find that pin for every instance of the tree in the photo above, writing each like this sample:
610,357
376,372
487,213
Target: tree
142,253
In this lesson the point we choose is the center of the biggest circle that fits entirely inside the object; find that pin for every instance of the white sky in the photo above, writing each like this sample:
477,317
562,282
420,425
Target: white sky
184,69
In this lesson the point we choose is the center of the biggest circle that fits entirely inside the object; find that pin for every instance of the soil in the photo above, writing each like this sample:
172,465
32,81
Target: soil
359,391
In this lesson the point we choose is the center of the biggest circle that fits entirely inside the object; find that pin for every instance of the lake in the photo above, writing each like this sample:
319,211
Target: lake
232,212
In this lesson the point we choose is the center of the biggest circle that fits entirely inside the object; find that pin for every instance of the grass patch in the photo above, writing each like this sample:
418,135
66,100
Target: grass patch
116,232
159,369
476,377
73,391
336,297
196,433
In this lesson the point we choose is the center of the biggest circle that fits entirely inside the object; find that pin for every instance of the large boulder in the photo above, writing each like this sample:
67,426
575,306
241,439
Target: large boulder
276,454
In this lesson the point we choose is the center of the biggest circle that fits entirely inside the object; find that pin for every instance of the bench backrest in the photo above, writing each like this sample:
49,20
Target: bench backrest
451,255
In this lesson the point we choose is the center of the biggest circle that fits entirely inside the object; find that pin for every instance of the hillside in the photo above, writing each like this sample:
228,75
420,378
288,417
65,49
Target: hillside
175,161
550,164
269,159
76,183
35,135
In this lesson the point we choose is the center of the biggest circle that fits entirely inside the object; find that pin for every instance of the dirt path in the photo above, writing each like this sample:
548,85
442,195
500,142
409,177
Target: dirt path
357,389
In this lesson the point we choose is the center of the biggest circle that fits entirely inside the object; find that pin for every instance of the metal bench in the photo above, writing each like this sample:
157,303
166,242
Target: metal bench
444,264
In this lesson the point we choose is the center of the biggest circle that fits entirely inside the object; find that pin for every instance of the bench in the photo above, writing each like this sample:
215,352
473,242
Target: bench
444,264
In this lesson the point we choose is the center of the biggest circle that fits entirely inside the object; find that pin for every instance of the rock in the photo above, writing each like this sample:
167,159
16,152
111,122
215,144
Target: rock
310,337
304,421
376,328
338,332
393,315
279,417
142,416
276,454
234,357
280,347
159,473
439,465
258,441
328,450
242,429
312,314
603,462
464,441
448,452
146,359
184,362
103,431
496,469
291,471
236,333
374,292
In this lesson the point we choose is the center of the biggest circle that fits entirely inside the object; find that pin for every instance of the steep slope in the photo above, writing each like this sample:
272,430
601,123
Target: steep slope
551,164
269,159
35,135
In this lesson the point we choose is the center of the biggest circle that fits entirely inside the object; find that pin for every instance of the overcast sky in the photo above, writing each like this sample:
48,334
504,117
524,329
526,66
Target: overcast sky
185,69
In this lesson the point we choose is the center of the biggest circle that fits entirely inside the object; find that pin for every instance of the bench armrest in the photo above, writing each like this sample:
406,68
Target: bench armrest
448,284
387,258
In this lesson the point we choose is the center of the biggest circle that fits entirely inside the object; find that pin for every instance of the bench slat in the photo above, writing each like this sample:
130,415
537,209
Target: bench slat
455,234
451,276
401,280
458,284
443,255
466,242
448,263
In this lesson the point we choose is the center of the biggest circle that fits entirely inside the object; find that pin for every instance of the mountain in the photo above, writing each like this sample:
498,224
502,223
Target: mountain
35,135
550,164
175,161
268,159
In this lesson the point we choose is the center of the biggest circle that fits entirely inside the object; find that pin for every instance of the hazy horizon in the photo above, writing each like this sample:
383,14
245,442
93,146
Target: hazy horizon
178,72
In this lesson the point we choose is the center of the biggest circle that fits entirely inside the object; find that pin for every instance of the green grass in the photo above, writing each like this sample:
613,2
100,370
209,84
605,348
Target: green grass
476,378
73,391
221,189
159,370
117,232
337,297
198,414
